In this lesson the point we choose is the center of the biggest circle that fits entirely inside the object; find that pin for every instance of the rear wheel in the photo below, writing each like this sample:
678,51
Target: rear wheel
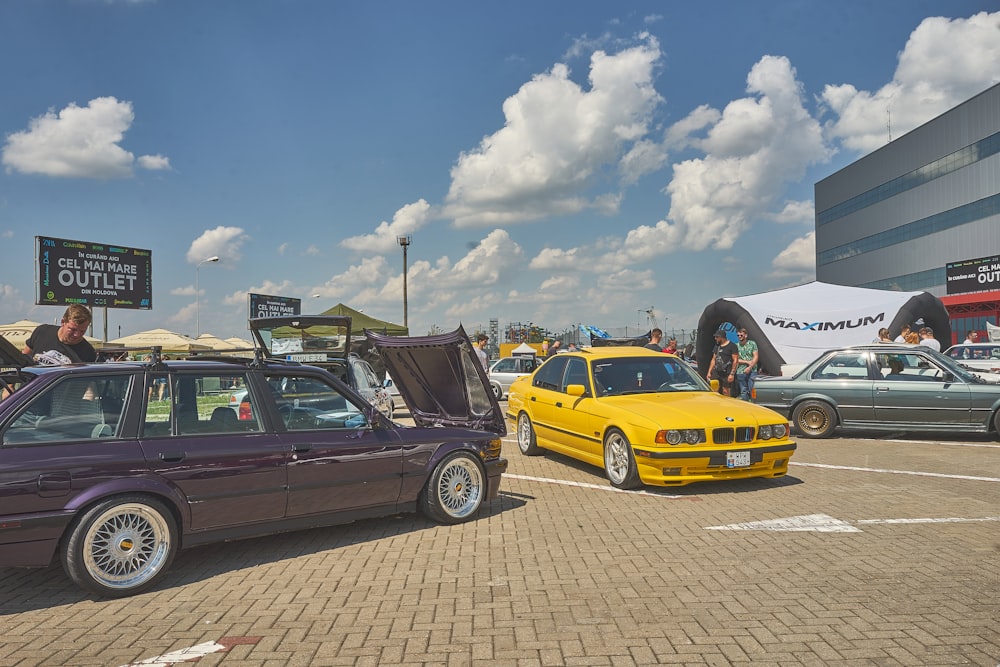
497,390
814,419
619,461
526,440
121,546
455,490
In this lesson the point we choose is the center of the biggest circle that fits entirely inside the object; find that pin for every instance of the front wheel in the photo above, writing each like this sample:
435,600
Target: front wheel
497,390
121,546
619,461
526,440
814,419
455,490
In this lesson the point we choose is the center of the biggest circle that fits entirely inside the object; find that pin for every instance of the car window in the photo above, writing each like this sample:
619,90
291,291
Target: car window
196,403
364,377
308,403
549,376
844,366
506,365
630,375
576,373
75,408
909,367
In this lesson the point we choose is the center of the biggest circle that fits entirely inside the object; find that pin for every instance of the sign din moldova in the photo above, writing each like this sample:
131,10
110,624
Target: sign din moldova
92,274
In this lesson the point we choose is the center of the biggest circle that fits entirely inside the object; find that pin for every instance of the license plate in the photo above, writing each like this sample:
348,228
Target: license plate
737,459
306,357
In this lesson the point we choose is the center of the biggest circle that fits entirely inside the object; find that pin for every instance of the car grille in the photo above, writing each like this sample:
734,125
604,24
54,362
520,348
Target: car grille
724,436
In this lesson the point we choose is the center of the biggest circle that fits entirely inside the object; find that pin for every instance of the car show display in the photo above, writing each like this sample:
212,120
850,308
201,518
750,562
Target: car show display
883,387
646,418
105,472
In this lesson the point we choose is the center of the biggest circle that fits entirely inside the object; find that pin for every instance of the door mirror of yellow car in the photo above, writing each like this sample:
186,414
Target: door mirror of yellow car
575,390
714,384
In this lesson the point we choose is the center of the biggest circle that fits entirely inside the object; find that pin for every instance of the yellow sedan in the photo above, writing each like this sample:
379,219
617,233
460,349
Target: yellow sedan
646,418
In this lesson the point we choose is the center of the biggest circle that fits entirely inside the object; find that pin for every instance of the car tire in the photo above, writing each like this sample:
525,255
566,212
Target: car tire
526,440
814,419
455,490
619,461
497,390
121,546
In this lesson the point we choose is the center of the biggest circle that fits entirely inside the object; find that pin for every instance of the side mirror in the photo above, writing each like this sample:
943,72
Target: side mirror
575,390
714,384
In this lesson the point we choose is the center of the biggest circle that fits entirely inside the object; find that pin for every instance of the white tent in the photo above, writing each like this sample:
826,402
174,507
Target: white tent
795,325
168,340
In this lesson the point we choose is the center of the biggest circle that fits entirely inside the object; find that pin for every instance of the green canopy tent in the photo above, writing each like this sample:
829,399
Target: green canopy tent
360,322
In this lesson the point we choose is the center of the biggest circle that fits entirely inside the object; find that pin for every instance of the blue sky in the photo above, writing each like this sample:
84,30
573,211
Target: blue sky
555,163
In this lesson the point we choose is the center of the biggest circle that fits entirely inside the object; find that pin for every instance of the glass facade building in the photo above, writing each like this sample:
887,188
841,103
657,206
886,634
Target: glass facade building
895,218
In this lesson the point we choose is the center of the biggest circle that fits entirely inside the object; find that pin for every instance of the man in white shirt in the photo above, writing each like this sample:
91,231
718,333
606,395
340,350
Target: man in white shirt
927,338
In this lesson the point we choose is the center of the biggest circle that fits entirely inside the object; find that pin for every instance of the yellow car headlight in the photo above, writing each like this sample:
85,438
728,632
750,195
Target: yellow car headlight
765,432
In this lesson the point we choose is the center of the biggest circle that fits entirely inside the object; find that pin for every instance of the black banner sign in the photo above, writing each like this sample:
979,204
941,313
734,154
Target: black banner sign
974,275
92,274
262,305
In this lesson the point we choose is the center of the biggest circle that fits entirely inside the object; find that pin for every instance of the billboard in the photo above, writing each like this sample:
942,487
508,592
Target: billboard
263,305
92,274
974,275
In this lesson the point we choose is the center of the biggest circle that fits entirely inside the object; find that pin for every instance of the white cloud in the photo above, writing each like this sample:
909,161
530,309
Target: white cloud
557,259
556,141
153,162
78,142
405,221
757,147
494,258
223,242
945,62
798,257
803,212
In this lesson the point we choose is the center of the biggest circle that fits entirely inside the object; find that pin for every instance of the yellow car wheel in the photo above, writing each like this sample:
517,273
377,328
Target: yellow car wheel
619,461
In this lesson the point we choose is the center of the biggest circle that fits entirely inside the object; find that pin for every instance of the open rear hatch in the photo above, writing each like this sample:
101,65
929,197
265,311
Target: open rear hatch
310,339
441,380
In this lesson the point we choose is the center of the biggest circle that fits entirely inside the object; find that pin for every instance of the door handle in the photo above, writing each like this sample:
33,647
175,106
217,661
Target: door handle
299,449
172,457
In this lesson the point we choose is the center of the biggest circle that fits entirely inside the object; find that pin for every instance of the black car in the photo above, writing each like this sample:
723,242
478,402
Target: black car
97,471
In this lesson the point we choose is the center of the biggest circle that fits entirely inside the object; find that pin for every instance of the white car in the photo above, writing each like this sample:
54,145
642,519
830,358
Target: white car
504,371
981,358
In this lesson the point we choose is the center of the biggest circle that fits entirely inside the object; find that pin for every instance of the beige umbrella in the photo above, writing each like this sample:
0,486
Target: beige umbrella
168,340
236,341
214,342
18,332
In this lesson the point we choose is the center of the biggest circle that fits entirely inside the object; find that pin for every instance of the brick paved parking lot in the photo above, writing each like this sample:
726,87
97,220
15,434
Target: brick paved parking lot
873,551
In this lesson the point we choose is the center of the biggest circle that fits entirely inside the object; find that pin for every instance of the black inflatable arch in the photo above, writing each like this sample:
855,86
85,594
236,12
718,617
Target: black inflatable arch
923,307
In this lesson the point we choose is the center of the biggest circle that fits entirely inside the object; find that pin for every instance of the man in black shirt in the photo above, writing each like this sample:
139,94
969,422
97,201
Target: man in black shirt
66,339
722,367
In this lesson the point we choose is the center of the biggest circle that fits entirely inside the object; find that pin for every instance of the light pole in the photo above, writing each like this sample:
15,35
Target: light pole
405,242
197,290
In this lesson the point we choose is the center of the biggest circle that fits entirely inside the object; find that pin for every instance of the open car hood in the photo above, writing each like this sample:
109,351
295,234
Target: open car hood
310,339
441,380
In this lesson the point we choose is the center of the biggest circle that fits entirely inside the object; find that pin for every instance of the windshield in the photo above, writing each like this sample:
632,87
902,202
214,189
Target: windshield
302,340
644,375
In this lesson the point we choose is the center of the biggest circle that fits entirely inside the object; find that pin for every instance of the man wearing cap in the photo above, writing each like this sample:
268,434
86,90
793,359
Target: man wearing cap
722,366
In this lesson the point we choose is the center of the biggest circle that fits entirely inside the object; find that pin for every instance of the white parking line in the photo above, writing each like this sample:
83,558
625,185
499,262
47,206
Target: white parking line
895,472
584,485
190,654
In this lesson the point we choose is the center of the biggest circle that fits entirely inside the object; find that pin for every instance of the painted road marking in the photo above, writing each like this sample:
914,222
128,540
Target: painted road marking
194,653
599,487
895,472
823,523
819,523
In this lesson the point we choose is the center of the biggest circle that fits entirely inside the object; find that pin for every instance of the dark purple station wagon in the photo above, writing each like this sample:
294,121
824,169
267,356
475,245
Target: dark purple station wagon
100,472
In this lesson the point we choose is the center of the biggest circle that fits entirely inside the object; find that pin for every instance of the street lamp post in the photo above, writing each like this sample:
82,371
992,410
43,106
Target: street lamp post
197,290
404,241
